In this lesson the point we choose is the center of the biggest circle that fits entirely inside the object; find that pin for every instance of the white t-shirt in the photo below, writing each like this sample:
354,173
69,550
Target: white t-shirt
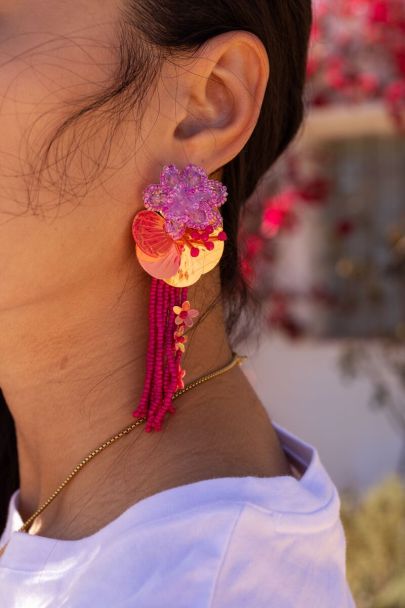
230,542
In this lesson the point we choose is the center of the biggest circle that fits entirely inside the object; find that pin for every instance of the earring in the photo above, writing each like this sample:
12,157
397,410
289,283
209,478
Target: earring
178,238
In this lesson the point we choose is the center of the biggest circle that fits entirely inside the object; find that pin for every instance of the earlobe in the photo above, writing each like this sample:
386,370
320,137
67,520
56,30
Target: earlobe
226,87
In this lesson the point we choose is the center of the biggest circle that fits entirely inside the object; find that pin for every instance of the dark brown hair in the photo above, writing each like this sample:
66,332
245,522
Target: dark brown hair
151,32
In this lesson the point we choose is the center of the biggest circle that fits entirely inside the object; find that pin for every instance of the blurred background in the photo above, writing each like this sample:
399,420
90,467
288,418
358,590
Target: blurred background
324,252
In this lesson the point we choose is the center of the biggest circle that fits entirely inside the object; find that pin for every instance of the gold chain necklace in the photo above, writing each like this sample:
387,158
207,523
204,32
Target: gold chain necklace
236,360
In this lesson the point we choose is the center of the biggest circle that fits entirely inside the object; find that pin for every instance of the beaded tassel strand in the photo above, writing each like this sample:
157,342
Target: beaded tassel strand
163,361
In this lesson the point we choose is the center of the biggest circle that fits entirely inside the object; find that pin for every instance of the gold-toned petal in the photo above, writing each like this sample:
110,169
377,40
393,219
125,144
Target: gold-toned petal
191,268
160,268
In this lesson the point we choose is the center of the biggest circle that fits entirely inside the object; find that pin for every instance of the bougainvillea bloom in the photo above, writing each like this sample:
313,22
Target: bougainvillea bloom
279,213
356,53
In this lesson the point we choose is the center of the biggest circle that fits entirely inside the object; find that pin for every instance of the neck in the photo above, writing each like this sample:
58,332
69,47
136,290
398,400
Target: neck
72,371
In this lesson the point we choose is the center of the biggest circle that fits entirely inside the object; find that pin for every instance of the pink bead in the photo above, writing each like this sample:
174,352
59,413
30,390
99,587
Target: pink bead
162,359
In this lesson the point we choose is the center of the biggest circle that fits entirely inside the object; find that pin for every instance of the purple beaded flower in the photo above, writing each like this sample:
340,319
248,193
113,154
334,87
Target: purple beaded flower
186,199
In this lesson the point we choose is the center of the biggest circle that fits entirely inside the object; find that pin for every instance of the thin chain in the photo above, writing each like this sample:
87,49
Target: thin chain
236,360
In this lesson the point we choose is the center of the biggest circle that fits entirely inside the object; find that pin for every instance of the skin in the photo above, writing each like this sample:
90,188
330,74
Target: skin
73,299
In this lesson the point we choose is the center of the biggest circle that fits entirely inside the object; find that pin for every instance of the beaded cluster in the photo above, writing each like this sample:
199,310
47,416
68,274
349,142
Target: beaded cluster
186,199
179,237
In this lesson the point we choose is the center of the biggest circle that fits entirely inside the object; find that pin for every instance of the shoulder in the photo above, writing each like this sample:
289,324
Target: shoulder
283,560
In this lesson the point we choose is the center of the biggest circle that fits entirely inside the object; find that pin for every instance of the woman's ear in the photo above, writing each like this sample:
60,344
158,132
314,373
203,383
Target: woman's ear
219,93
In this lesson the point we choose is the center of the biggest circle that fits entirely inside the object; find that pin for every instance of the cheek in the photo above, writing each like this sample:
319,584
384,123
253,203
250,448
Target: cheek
47,244
54,57
41,260
31,262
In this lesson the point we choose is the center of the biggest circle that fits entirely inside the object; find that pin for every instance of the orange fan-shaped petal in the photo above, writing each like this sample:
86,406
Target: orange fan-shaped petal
160,268
156,251
150,235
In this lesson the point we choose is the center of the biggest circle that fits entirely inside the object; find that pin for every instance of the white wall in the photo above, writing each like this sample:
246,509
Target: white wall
302,388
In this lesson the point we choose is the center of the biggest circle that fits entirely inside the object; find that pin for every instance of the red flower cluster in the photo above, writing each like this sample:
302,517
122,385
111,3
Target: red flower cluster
278,213
357,53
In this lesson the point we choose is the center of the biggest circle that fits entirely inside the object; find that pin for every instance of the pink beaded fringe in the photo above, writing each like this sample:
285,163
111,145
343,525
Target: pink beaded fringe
163,361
